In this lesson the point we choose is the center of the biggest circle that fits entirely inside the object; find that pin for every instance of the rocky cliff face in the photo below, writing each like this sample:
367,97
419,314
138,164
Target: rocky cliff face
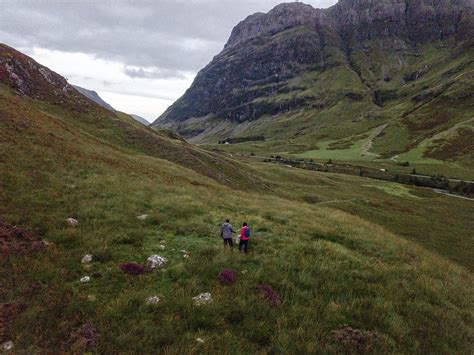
29,78
271,61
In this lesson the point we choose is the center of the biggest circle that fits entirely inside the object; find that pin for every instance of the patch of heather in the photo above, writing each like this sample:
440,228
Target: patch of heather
86,337
8,313
270,295
355,339
17,241
227,276
133,268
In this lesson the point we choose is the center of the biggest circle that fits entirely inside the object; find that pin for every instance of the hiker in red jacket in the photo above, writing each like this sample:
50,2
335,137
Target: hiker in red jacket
244,238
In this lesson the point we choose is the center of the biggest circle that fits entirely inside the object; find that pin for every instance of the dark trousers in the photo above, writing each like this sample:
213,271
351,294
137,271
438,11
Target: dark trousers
244,244
230,242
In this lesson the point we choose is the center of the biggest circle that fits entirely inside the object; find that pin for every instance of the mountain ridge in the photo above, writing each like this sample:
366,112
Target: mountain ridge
94,96
298,59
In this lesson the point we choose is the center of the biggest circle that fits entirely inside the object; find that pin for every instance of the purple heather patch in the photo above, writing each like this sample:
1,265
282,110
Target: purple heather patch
227,276
269,295
133,268
85,338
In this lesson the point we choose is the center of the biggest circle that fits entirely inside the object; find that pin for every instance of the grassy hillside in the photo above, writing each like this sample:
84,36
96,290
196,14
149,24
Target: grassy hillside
414,107
335,250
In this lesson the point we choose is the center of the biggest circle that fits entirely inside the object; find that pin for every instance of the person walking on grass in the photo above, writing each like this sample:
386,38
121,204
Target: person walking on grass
244,238
226,234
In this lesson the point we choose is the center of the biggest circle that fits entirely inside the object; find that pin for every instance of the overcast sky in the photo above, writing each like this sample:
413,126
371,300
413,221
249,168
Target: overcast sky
140,56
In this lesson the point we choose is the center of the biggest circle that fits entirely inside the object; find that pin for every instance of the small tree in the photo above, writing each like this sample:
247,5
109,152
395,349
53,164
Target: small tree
413,172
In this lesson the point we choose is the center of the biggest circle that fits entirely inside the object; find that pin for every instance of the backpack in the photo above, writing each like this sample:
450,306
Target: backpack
247,232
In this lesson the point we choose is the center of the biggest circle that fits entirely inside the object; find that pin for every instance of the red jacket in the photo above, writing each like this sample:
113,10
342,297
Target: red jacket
242,233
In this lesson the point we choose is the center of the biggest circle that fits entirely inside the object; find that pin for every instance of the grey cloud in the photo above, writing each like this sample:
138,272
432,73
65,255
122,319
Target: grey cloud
172,36
153,73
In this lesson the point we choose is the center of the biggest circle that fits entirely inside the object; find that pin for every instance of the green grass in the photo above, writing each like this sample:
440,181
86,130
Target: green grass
354,153
338,249
415,123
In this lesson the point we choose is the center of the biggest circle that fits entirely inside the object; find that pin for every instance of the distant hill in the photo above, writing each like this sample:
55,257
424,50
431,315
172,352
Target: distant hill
35,83
141,119
94,96
308,79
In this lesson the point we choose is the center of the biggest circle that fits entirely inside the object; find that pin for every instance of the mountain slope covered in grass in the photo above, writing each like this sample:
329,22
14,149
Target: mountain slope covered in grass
327,251
312,80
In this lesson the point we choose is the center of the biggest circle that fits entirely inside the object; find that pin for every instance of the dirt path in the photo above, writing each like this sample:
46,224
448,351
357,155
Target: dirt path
370,141
443,192
336,201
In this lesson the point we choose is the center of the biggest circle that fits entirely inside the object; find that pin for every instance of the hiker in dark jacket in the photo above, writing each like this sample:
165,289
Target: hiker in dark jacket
244,238
226,234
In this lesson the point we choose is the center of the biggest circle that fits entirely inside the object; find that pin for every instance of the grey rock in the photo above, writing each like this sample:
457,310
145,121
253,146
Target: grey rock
155,261
7,346
85,279
72,222
86,259
202,298
152,300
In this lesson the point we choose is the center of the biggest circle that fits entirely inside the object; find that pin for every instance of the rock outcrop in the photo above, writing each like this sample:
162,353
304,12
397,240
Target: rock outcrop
31,79
265,66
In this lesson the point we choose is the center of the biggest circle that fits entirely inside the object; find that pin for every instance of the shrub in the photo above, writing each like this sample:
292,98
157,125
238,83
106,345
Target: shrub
132,268
86,337
227,276
269,295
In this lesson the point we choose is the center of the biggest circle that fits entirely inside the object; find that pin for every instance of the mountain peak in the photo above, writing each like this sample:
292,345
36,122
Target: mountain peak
281,17
298,61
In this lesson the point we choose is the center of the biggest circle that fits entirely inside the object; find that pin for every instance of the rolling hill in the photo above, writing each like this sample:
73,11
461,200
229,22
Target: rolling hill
362,80
94,96
337,263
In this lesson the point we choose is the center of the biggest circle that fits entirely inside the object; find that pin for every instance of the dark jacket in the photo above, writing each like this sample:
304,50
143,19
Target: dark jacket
226,231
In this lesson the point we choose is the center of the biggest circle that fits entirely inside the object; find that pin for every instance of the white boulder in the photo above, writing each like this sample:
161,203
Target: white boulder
85,279
7,346
153,300
200,340
142,217
202,298
155,261
86,258
72,222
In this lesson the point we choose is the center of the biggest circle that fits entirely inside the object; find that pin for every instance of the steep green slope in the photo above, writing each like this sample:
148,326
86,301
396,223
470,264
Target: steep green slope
328,267
306,78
